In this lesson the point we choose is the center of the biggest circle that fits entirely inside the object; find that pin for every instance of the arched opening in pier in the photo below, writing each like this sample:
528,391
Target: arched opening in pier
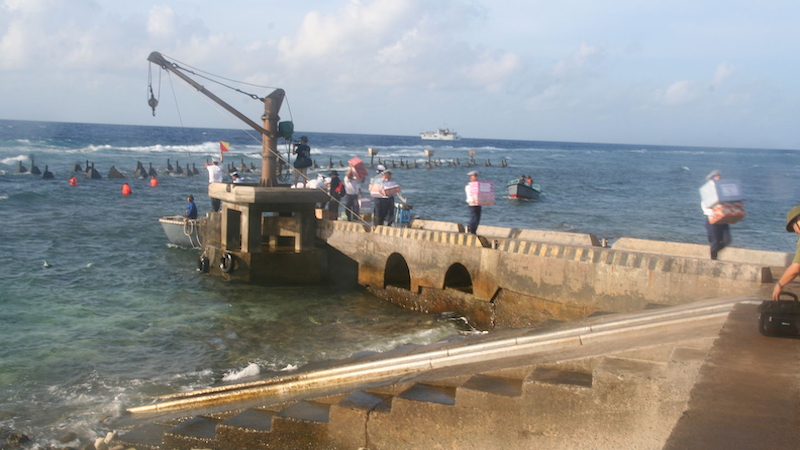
458,278
396,273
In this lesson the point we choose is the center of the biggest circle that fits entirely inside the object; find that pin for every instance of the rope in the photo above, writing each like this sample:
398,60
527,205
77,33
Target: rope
183,131
192,231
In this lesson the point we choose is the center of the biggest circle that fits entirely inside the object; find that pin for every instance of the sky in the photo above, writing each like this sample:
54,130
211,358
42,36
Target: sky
709,73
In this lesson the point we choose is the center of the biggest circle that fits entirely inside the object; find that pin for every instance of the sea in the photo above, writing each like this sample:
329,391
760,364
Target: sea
99,312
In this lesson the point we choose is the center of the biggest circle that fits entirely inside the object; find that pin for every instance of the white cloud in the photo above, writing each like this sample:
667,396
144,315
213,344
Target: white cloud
723,72
161,22
680,92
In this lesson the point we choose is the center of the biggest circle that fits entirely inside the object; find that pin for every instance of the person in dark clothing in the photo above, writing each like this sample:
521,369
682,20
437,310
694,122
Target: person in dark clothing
336,190
191,208
303,161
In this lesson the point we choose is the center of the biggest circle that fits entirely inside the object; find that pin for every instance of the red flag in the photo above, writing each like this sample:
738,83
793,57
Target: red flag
224,146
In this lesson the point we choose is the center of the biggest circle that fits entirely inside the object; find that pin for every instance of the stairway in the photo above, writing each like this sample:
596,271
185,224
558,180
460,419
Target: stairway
629,399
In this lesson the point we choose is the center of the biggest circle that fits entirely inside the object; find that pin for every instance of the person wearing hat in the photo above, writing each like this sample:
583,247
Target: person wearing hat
191,208
474,209
375,187
214,176
336,191
303,160
719,235
236,177
791,272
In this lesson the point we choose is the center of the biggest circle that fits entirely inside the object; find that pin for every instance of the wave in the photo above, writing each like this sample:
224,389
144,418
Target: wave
251,370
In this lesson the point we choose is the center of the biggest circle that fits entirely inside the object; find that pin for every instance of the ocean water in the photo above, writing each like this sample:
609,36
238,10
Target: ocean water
99,313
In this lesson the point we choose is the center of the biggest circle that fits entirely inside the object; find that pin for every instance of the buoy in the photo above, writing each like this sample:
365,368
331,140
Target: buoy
154,181
126,190
73,181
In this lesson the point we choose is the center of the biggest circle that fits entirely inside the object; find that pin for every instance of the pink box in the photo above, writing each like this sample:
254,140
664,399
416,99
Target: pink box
482,193
358,165
390,188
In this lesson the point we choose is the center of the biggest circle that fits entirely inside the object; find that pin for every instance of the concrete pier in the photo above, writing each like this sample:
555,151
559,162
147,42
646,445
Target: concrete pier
691,376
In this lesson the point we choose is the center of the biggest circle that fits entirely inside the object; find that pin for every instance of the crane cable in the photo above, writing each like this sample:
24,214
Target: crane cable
277,154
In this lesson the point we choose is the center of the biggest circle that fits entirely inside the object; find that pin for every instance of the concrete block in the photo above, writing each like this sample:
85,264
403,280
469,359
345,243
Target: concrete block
347,427
559,237
437,225
623,384
729,254
302,425
489,392
198,432
497,232
145,437
252,428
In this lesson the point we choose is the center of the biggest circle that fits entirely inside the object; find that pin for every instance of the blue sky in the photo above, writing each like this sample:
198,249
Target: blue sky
711,73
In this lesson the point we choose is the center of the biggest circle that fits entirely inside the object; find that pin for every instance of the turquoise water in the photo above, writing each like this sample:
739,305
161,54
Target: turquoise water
99,313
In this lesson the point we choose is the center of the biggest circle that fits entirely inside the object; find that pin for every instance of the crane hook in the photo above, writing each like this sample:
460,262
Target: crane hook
153,102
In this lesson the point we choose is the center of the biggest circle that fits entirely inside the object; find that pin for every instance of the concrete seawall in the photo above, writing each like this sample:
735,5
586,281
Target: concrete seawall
514,278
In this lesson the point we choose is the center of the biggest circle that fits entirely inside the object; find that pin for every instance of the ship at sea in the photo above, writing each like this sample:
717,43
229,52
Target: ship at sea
441,134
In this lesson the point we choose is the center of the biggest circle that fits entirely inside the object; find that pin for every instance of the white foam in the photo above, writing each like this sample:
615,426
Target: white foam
250,371
289,368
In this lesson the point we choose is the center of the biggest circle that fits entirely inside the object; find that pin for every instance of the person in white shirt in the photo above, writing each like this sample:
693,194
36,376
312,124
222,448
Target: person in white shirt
474,211
237,179
214,176
719,235
352,190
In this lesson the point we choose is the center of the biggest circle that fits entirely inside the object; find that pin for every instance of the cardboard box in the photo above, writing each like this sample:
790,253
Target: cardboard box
390,188
717,191
358,166
365,205
482,193
727,213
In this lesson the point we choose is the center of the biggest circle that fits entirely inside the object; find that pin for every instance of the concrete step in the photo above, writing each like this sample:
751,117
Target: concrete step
145,437
251,428
197,432
303,425
486,391
349,418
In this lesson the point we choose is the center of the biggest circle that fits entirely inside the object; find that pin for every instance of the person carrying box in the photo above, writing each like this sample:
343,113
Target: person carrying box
719,235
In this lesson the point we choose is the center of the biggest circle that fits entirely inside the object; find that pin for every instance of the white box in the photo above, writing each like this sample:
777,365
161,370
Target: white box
716,191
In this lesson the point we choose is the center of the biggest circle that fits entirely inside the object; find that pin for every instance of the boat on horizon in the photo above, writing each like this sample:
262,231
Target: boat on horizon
181,231
441,134
519,190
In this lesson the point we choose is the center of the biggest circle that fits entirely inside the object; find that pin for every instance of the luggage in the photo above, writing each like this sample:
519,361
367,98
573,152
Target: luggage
726,213
780,318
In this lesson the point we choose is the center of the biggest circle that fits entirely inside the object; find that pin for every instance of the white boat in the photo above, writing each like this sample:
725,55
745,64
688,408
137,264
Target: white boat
181,231
441,134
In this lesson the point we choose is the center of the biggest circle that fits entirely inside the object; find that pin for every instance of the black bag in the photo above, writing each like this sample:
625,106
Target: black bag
302,162
780,318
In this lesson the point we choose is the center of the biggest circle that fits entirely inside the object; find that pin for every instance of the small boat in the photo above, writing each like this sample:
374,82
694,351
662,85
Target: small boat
521,191
181,231
441,134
